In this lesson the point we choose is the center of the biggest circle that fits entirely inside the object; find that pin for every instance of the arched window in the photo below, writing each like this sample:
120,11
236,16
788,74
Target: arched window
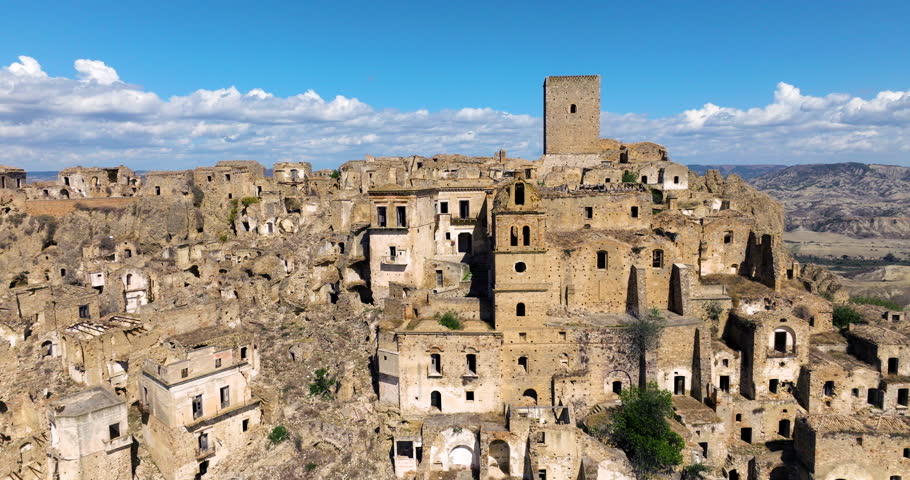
513,236
644,179
436,400
523,364
435,364
573,108
531,394
602,260
728,237
526,235
520,309
657,258
471,363
519,193
129,279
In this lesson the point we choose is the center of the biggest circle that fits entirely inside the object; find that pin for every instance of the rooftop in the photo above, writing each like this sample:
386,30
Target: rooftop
86,401
872,425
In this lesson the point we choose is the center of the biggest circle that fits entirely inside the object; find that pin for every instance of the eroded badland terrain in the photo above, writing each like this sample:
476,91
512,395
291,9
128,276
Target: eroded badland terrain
444,317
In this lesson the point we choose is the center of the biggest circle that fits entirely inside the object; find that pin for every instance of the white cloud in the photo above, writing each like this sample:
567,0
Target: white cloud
48,122
96,71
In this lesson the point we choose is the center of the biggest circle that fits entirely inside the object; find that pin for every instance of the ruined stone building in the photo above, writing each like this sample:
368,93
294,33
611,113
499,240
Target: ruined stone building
428,317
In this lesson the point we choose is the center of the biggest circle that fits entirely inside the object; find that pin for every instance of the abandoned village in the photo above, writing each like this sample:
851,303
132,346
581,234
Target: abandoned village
445,317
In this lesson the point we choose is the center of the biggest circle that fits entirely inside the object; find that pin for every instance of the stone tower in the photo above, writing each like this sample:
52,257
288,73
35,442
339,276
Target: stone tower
571,114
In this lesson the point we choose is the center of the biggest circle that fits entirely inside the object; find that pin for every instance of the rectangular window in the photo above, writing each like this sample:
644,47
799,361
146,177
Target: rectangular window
225,396
203,442
464,208
541,475
892,366
113,430
245,424
725,383
438,278
772,385
903,397
541,437
469,396
725,362
401,216
829,389
184,372
746,434
243,353
601,260
634,212
657,260
435,364
471,363
589,212
84,312
381,216
443,207
197,406
404,449
217,363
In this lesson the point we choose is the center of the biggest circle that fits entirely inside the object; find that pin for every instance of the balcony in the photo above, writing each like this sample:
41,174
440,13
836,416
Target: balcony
400,259
774,353
117,443
463,221
204,451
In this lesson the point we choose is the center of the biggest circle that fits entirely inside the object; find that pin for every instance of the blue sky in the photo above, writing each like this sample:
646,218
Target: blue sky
426,77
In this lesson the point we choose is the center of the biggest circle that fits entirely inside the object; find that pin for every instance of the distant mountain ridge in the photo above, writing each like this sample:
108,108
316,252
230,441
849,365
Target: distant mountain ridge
746,172
855,199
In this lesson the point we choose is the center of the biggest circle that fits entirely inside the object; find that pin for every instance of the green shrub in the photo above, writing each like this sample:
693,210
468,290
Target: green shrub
247,201
278,434
695,471
450,320
235,207
713,310
881,302
629,177
335,174
845,315
310,467
322,384
641,428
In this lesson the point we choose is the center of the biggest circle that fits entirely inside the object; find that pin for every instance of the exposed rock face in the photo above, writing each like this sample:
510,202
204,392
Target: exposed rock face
849,198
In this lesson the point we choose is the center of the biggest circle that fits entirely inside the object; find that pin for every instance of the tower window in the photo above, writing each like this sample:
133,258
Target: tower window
520,310
634,212
573,109
589,212
519,194
601,260
657,260
526,235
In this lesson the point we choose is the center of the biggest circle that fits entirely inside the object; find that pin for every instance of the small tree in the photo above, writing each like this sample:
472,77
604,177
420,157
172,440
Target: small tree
278,434
713,310
450,320
335,174
695,471
641,428
629,177
644,333
844,315
322,384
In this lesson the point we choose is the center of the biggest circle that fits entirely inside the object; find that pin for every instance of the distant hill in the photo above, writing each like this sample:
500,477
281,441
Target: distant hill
746,172
853,199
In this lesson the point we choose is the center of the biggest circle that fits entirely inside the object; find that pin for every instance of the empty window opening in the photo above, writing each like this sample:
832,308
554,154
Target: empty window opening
602,259
872,396
471,363
513,236
780,341
523,364
436,400
903,397
129,279
725,383
859,440
617,387
657,258
704,449
520,310
526,235
589,212
438,278
203,442
197,406
469,396
892,366
217,363
225,393
184,372
829,389
725,362
443,207
745,434
227,177
772,385
739,417
607,180
381,216
644,179
66,181
243,353
728,237
401,216
157,190
113,431
245,425
464,208
573,108
531,394
542,474
634,212
84,311
541,437
521,267
676,179
435,364
855,392
907,453
783,428
519,193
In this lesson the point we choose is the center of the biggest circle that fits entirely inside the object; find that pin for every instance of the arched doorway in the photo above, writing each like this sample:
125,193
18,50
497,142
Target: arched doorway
530,393
499,456
461,458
